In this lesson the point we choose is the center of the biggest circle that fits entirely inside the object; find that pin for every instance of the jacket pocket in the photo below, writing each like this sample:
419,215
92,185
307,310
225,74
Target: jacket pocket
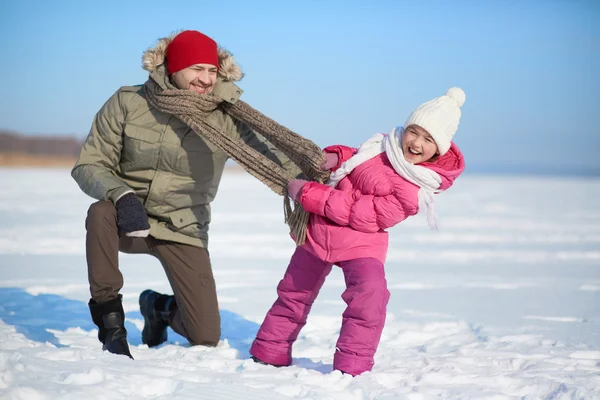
141,133
140,148
191,221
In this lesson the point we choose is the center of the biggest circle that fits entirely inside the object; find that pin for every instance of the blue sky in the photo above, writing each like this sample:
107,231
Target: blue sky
333,71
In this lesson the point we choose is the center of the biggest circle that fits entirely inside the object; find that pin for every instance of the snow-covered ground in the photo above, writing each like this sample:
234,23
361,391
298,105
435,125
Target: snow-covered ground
503,302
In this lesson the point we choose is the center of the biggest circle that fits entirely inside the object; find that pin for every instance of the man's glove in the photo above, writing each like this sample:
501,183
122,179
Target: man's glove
131,216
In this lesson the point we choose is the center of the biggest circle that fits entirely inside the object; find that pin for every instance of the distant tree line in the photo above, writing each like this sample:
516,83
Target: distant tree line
51,145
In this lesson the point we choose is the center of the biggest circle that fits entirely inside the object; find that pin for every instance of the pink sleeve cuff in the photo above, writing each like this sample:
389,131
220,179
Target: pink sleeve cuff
313,197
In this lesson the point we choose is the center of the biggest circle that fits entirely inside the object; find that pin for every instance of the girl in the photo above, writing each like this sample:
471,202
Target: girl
371,188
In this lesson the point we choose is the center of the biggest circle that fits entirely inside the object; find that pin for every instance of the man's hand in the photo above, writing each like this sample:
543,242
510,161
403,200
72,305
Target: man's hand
295,188
331,160
131,216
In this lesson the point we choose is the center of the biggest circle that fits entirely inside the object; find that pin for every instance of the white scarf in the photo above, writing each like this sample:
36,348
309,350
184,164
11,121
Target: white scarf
428,181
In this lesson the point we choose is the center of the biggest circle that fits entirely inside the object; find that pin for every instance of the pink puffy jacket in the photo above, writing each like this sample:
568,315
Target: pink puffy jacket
349,221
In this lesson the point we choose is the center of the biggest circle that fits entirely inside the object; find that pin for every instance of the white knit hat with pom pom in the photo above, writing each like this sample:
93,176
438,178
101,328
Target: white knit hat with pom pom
440,117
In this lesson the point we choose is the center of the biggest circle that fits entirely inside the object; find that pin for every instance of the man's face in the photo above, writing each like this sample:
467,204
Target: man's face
418,145
200,78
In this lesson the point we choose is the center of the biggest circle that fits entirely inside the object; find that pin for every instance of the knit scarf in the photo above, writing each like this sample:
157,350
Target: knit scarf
428,181
193,108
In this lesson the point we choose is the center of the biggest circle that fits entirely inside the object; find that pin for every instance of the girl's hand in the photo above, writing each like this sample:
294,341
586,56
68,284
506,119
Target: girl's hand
331,160
295,188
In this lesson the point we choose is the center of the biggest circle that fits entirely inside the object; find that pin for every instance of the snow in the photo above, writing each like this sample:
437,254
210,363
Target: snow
502,303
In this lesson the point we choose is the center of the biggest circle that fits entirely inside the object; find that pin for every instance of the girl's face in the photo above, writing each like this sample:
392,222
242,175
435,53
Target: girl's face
418,145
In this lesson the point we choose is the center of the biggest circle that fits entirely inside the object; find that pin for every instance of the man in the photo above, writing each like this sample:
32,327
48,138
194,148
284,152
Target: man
155,178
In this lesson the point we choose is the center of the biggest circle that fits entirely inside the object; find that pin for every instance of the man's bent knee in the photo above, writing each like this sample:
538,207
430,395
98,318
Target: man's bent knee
99,211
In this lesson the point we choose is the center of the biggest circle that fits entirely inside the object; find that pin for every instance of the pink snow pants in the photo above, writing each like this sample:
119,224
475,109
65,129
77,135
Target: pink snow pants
366,296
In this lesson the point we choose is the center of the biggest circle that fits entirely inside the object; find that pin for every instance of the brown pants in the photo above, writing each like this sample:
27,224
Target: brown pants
196,316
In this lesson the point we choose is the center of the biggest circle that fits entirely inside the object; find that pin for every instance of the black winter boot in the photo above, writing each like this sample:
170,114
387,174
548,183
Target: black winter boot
110,319
116,336
155,309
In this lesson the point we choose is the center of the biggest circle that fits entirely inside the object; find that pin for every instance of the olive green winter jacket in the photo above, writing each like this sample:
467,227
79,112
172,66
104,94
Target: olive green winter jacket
172,169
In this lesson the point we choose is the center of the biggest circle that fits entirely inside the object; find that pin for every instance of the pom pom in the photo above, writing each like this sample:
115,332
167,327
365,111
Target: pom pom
457,95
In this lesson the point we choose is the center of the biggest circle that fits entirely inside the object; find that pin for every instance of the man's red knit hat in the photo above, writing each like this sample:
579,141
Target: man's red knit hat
189,48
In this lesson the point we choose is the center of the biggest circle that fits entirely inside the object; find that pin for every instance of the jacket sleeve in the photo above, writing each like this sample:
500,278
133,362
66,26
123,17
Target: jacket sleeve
344,153
95,168
364,213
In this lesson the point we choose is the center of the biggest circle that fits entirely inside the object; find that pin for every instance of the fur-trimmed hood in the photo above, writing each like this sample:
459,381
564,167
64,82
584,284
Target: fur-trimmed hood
229,70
